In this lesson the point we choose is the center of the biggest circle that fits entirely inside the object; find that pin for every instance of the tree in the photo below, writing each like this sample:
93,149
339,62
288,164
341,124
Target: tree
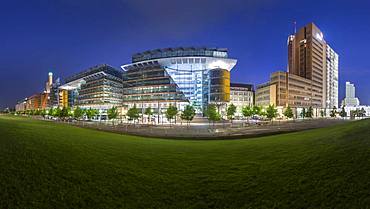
171,112
57,112
78,113
333,112
309,112
148,112
303,113
343,113
43,113
133,113
271,112
247,112
231,110
64,112
288,112
70,112
322,113
257,110
90,113
51,111
213,114
37,112
112,113
362,112
188,114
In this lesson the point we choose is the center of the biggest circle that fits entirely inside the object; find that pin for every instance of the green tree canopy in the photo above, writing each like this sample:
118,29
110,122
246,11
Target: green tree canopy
247,111
90,113
288,112
362,112
171,112
43,112
271,112
64,112
188,113
57,112
231,110
343,113
51,111
133,113
322,113
78,113
148,111
37,112
112,113
212,113
257,110
309,112
303,113
333,112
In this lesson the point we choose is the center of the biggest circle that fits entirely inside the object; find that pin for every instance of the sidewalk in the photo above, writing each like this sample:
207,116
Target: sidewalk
208,131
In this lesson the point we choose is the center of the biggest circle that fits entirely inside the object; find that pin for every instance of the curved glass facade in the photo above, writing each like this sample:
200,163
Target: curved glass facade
190,69
219,86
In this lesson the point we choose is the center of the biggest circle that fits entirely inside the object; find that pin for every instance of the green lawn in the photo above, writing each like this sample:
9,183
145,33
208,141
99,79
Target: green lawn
48,165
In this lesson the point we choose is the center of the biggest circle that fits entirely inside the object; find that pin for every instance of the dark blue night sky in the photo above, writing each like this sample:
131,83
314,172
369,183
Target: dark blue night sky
67,36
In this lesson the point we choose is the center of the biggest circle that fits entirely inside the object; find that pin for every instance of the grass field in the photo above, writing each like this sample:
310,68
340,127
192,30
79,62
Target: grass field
48,165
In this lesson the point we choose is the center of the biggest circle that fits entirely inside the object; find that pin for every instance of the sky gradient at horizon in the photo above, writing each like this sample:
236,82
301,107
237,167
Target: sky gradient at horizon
67,36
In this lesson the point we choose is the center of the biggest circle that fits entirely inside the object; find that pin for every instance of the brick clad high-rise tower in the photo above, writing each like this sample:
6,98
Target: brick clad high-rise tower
307,58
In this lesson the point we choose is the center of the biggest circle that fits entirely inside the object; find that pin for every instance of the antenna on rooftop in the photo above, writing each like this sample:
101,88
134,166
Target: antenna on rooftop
295,26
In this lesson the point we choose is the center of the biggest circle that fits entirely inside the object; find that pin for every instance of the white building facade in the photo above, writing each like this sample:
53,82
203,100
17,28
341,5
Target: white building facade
332,69
241,95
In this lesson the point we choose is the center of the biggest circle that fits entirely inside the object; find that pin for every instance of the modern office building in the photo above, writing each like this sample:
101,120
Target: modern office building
312,76
99,87
178,76
265,94
306,57
241,95
285,89
350,100
310,57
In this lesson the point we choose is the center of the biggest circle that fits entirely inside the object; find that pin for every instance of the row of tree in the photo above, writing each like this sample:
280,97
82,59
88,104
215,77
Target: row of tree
212,113
77,113
188,114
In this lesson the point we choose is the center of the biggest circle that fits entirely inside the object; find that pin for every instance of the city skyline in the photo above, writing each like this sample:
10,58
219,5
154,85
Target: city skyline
29,54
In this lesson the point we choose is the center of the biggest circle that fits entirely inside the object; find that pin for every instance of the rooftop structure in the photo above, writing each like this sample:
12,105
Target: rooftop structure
179,52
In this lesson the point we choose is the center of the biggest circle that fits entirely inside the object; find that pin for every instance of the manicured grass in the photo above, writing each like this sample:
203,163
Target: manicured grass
48,165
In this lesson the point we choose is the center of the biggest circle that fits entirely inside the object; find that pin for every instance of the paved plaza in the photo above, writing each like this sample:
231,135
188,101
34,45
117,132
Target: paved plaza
221,130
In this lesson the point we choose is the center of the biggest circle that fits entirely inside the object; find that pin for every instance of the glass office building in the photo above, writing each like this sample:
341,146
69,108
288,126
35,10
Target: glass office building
99,87
178,76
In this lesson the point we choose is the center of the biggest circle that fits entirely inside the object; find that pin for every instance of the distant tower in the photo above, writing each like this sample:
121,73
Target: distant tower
350,100
50,78
49,83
